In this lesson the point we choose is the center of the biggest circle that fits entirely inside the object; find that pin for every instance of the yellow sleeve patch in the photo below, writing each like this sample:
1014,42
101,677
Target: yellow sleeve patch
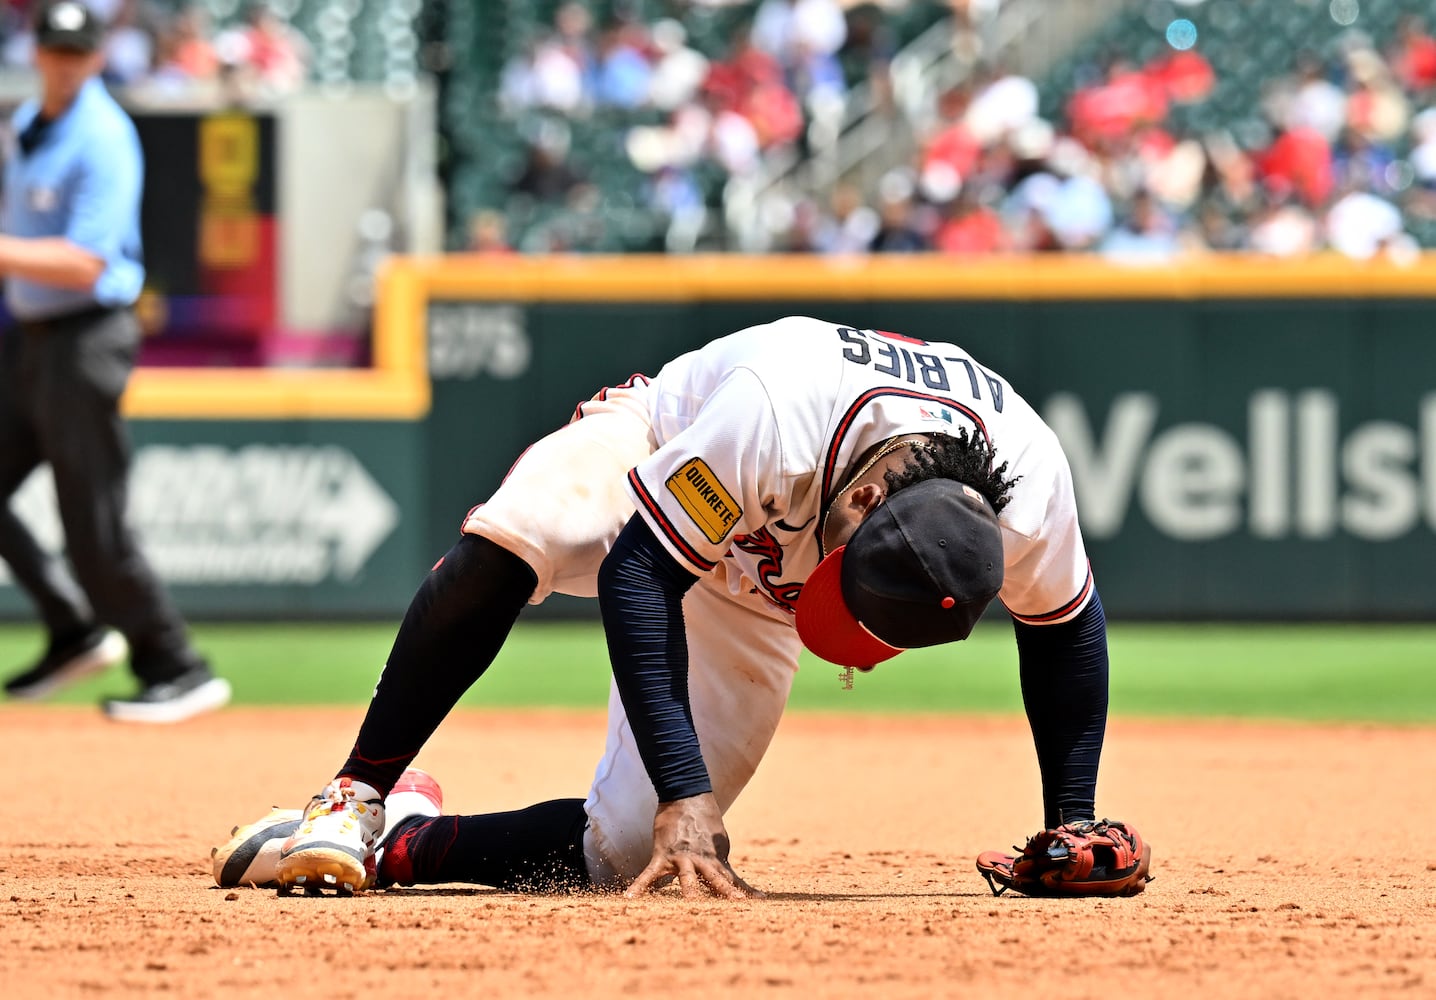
705,499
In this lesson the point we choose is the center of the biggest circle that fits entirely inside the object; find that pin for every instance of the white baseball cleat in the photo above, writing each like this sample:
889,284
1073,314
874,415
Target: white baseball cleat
251,856
335,843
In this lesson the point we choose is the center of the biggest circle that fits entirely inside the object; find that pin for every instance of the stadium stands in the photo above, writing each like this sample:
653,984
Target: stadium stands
1168,180
1270,64
493,114
615,125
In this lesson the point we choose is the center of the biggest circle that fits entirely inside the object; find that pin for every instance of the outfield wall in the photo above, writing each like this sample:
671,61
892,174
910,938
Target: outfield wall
1249,439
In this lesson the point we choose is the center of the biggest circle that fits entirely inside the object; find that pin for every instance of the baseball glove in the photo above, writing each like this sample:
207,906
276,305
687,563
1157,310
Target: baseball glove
1091,858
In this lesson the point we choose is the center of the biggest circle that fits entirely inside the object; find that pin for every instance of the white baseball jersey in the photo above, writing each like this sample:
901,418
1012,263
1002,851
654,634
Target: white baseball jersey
729,454
756,430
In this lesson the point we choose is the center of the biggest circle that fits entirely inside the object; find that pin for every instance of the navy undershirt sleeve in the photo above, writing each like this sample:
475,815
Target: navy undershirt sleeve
1064,689
640,594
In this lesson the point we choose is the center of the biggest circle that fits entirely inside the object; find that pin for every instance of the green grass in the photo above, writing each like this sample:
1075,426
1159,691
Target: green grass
1348,673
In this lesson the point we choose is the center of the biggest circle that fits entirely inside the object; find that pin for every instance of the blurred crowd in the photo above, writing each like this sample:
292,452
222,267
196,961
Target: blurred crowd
1341,153
795,58
1344,157
693,116
162,52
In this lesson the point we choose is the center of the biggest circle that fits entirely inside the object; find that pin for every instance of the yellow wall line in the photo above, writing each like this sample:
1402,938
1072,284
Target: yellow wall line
397,387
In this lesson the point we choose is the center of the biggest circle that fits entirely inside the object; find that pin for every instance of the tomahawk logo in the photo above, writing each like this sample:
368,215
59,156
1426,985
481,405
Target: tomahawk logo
259,514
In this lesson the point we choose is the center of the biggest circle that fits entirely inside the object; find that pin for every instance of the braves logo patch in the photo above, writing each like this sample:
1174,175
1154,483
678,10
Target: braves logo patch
704,499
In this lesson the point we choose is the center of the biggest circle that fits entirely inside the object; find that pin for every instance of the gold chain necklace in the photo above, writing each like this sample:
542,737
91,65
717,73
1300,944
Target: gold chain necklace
883,452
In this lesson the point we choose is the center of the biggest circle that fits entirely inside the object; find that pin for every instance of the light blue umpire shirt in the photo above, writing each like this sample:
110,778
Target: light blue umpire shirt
83,182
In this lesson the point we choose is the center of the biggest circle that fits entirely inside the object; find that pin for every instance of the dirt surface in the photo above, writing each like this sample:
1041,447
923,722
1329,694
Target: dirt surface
1290,861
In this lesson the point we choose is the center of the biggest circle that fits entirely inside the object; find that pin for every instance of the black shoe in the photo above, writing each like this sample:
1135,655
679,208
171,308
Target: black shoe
68,660
191,693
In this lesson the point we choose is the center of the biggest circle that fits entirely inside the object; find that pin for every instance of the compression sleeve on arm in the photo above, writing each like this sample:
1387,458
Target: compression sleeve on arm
640,594
1064,689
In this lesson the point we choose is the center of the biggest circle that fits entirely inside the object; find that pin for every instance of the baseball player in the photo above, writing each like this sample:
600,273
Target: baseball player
795,483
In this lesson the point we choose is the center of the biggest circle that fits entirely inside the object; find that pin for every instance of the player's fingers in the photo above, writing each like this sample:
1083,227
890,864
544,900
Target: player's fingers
738,881
688,881
717,878
643,884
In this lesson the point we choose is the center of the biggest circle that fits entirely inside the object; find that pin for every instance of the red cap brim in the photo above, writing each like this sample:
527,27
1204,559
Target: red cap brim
828,628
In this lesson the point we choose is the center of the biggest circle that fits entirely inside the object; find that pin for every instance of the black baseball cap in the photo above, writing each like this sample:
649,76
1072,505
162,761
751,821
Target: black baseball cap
919,571
67,24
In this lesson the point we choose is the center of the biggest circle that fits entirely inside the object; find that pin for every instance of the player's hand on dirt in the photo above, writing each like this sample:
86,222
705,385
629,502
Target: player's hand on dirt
690,844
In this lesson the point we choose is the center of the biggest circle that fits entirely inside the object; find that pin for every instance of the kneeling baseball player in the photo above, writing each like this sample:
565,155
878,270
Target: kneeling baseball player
795,483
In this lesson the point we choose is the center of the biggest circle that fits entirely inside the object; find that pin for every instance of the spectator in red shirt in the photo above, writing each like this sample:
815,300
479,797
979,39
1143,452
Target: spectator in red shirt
1185,76
970,227
192,52
750,82
1413,56
1300,159
1129,97
953,143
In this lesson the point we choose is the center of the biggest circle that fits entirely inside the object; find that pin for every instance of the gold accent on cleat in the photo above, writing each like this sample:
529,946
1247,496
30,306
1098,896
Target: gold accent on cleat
324,868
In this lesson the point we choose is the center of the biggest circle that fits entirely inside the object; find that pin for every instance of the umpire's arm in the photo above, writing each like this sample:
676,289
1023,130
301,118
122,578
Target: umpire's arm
108,185
50,260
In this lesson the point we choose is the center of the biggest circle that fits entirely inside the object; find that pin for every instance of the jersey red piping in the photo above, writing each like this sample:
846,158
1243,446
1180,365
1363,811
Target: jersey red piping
829,466
679,542
1067,609
602,394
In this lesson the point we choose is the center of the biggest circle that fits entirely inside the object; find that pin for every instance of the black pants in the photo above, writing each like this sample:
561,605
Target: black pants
60,386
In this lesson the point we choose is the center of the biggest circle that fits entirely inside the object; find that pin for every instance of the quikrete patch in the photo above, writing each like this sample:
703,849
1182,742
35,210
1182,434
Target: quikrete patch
700,493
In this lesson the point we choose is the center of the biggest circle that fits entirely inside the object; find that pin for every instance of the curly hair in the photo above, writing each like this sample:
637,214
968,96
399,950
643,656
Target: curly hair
963,457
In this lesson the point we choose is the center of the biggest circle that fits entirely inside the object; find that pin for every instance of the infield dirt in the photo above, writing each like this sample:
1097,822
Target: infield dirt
1290,861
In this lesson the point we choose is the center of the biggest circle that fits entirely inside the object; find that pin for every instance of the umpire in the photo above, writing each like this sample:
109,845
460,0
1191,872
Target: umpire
70,257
